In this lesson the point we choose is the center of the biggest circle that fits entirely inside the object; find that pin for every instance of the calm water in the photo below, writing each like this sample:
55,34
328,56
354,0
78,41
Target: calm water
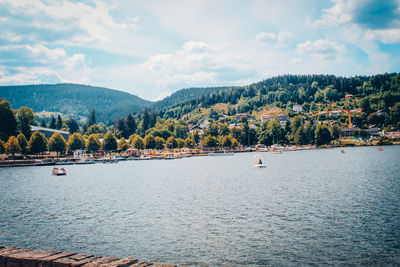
306,208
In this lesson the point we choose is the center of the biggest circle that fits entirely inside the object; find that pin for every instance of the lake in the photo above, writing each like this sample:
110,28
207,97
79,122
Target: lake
316,207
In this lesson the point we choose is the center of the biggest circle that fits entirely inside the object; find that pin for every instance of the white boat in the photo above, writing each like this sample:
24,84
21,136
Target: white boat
58,172
259,165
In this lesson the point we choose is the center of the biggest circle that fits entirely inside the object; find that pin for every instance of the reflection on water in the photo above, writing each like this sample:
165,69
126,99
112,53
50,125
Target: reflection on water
307,207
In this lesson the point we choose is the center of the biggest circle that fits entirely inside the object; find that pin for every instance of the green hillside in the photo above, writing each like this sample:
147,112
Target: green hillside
74,100
185,95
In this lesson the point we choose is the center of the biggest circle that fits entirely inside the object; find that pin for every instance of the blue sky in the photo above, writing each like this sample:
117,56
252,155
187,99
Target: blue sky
152,48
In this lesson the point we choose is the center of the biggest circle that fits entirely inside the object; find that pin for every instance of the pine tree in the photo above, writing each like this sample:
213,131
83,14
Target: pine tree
52,124
92,117
59,123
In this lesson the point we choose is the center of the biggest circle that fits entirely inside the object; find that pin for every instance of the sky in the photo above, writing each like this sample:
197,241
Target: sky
152,48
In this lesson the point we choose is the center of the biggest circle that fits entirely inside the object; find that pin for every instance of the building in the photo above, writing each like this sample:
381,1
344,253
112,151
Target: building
48,132
204,124
266,118
283,119
241,115
347,132
297,108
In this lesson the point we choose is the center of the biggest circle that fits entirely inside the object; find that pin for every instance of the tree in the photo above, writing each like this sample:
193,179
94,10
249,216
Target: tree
210,141
23,143
137,142
43,123
300,137
37,143
189,142
322,135
131,138
93,144
131,124
335,132
94,129
91,117
235,142
59,123
8,122
52,124
57,143
149,142
181,142
122,144
76,141
25,118
12,146
120,125
73,126
109,142
2,146
226,141
159,142
171,143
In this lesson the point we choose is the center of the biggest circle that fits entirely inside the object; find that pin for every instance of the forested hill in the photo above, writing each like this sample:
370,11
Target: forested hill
74,100
312,92
185,95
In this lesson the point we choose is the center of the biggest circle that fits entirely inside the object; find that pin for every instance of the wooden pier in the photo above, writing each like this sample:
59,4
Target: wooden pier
20,257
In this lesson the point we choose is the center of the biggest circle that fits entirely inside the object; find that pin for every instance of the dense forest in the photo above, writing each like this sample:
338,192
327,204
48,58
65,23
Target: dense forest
73,100
312,92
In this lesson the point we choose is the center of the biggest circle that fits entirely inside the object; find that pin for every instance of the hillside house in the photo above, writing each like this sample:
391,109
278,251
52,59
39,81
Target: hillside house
297,108
266,118
348,96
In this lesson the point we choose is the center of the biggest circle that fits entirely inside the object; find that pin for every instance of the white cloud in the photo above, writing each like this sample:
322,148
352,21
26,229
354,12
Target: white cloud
387,36
321,49
377,20
90,24
273,38
340,13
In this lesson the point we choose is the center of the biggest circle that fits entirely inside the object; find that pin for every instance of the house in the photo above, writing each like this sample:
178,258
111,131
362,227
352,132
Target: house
283,119
204,124
233,125
241,115
297,108
348,96
48,132
266,118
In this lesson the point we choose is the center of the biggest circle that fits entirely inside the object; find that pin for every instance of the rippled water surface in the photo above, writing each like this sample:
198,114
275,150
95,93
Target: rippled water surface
307,207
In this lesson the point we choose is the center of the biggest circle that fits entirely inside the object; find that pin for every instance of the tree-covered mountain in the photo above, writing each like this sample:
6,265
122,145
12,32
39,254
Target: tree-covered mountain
74,100
312,92
185,95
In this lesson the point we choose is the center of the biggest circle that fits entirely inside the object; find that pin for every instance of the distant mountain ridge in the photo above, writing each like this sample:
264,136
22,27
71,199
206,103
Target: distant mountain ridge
74,100
185,95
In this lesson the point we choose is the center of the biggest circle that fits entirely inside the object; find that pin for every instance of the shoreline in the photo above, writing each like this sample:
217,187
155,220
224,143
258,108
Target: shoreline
177,155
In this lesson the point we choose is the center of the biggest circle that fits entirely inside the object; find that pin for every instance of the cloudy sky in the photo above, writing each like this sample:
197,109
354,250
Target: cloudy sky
152,48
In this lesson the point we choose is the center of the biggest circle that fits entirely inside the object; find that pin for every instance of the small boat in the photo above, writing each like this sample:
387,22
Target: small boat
380,148
58,172
342,151
259,165
277,152
86,161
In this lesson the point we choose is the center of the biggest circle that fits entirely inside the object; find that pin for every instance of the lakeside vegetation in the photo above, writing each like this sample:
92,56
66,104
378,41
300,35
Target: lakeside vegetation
224,117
